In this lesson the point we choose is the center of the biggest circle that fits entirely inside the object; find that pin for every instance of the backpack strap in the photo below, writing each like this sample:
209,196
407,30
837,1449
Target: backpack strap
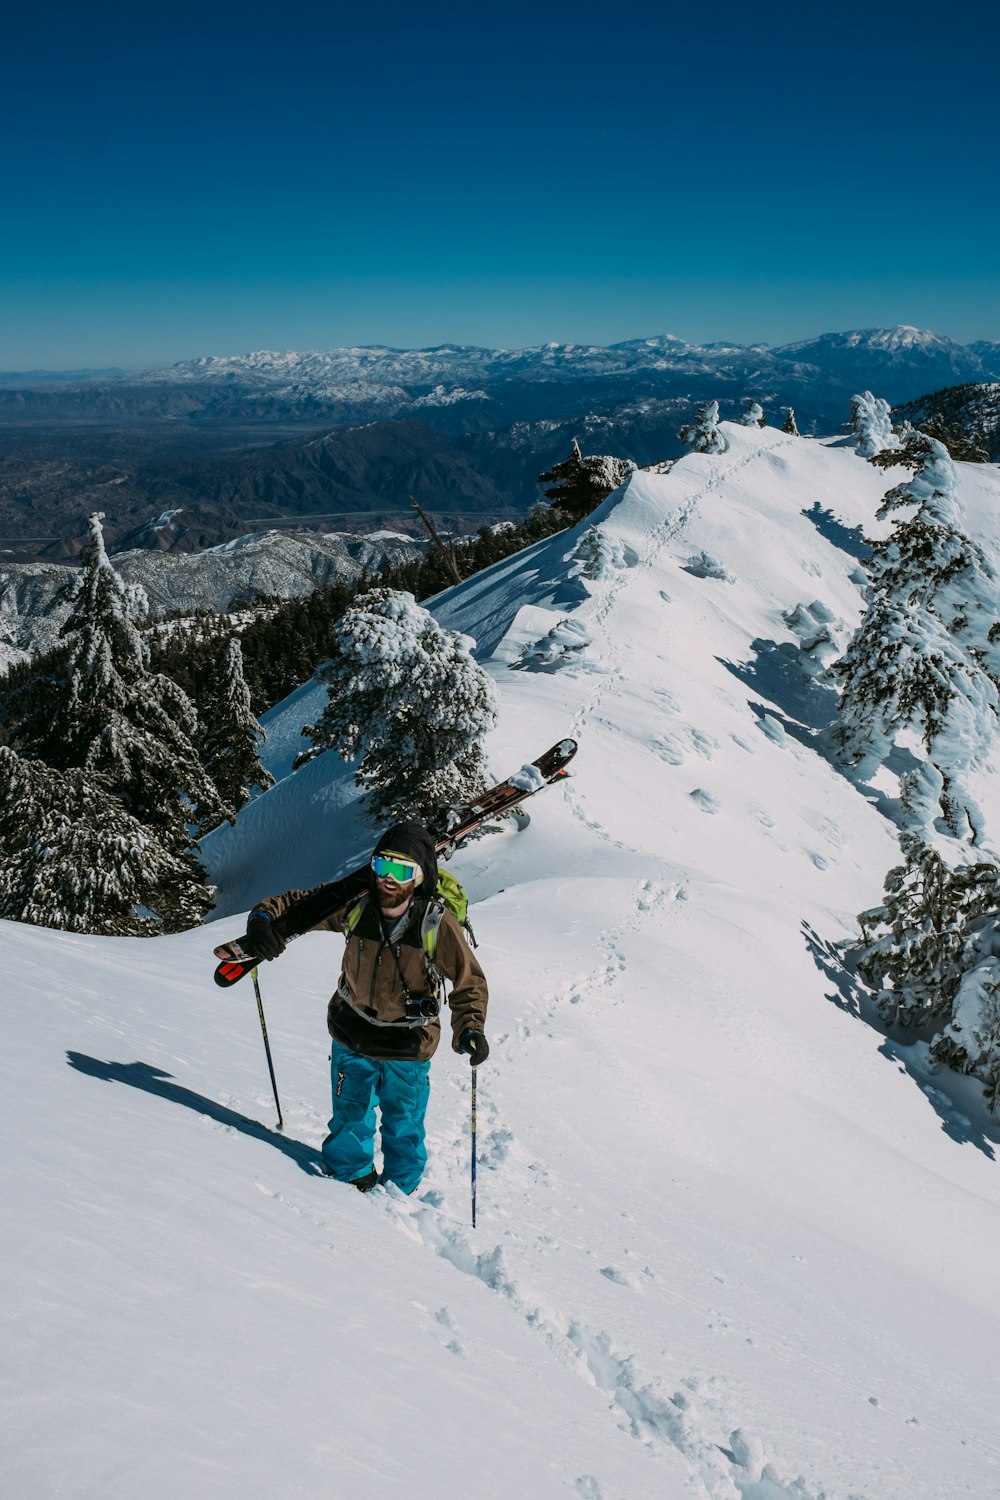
355,914
429,924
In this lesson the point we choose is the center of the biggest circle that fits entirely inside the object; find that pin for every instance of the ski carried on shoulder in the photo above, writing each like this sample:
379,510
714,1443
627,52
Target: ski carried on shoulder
237,959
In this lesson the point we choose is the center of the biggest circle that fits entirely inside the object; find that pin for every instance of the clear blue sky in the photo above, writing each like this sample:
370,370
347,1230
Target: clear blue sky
181,179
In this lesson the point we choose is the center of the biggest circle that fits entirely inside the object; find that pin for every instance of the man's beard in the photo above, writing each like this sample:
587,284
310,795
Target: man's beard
395,902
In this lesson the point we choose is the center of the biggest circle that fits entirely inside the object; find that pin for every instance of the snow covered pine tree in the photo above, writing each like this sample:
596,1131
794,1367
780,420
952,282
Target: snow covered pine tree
407,700
871,423
74,858
926,656
703,434
230,737
926,659
579,484
130,730
133,726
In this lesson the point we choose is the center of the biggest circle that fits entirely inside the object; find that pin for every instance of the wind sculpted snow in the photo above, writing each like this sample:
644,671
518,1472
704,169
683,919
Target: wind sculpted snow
732,1242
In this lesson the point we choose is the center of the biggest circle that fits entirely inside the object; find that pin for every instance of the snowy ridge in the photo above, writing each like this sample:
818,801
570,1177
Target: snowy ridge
354,372
733,1243
265,564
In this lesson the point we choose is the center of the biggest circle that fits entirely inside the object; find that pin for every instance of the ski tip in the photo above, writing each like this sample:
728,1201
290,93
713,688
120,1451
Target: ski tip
229,972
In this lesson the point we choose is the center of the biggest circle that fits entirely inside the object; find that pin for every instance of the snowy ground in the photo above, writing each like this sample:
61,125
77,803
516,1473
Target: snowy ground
732,1241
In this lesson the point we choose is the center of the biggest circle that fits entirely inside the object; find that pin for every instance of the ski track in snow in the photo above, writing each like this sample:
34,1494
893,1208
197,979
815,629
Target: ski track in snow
688,1419
643,1403
613,675
683,1419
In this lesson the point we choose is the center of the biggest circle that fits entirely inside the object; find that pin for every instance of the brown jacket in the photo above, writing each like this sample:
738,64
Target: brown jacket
367,1013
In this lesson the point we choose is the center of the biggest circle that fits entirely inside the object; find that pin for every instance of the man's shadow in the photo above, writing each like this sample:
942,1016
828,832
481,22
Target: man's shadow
154,1081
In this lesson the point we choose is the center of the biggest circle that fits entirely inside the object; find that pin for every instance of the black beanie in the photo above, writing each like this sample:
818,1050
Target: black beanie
413,840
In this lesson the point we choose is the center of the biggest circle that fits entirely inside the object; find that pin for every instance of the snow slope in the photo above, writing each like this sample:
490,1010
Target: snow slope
732,1242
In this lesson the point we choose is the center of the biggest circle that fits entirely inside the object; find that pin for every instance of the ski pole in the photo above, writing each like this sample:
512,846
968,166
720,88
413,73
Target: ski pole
473,1145
267,1046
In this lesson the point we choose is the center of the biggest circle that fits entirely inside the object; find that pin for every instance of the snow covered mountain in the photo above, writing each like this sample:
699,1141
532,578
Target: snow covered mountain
326,373
891,358
972,409
466,429
734,1242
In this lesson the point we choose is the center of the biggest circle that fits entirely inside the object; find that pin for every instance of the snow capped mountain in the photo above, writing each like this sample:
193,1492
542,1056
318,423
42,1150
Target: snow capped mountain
734,1242
233,439
899,340
351,368
892,356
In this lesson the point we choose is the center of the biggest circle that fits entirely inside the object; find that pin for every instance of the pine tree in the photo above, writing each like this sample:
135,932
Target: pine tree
230,736
75,859
703,435
912,949
970,1042
579,483
753,414
871,422
408,701
926,656
789,425
115,718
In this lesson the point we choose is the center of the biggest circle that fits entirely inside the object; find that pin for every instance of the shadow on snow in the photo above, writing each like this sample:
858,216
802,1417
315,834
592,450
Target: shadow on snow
154,1081
954,1097
850,539
806,710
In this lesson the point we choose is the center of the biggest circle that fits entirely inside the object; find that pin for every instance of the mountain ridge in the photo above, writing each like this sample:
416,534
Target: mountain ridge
289,435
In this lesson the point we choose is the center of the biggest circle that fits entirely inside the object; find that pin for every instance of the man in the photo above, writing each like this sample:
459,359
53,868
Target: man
383,1017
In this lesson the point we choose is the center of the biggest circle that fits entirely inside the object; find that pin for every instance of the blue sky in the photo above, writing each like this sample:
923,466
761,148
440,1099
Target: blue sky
184,179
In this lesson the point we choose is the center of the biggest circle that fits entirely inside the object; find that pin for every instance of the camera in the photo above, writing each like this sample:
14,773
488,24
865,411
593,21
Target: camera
421,1007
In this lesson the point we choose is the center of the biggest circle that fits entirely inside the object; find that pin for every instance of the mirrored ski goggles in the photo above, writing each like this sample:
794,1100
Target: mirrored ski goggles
397,867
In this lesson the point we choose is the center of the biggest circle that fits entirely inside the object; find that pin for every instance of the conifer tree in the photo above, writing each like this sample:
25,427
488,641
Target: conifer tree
230,736
580,482
871,422
753,414
408,701
703,435
926,656
789,425
970,1042
925,659
912,949
115,718
74,858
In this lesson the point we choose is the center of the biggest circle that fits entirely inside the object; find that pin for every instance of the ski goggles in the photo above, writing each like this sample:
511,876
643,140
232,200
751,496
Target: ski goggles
389,866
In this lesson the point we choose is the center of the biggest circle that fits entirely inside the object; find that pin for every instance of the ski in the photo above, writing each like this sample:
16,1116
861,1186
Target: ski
237,958
505,796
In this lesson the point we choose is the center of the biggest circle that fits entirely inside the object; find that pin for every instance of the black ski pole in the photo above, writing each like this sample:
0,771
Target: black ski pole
473,1145
267,1046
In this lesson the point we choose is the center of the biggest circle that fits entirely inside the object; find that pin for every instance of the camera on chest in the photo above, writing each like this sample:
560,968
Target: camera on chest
421,1007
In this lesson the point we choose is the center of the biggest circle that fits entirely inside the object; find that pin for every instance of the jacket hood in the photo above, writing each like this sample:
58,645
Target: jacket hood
414,840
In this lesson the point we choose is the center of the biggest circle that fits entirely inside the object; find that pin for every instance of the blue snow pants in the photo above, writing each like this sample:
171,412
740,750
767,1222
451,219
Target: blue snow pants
400,1087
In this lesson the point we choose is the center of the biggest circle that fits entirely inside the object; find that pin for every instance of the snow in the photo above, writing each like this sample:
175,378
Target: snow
733,1242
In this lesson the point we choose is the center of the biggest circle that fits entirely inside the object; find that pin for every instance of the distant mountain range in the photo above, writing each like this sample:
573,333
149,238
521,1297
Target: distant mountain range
344,437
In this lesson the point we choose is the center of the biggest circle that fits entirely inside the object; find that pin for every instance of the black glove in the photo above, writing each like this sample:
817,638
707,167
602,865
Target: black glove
263,937
476,1045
